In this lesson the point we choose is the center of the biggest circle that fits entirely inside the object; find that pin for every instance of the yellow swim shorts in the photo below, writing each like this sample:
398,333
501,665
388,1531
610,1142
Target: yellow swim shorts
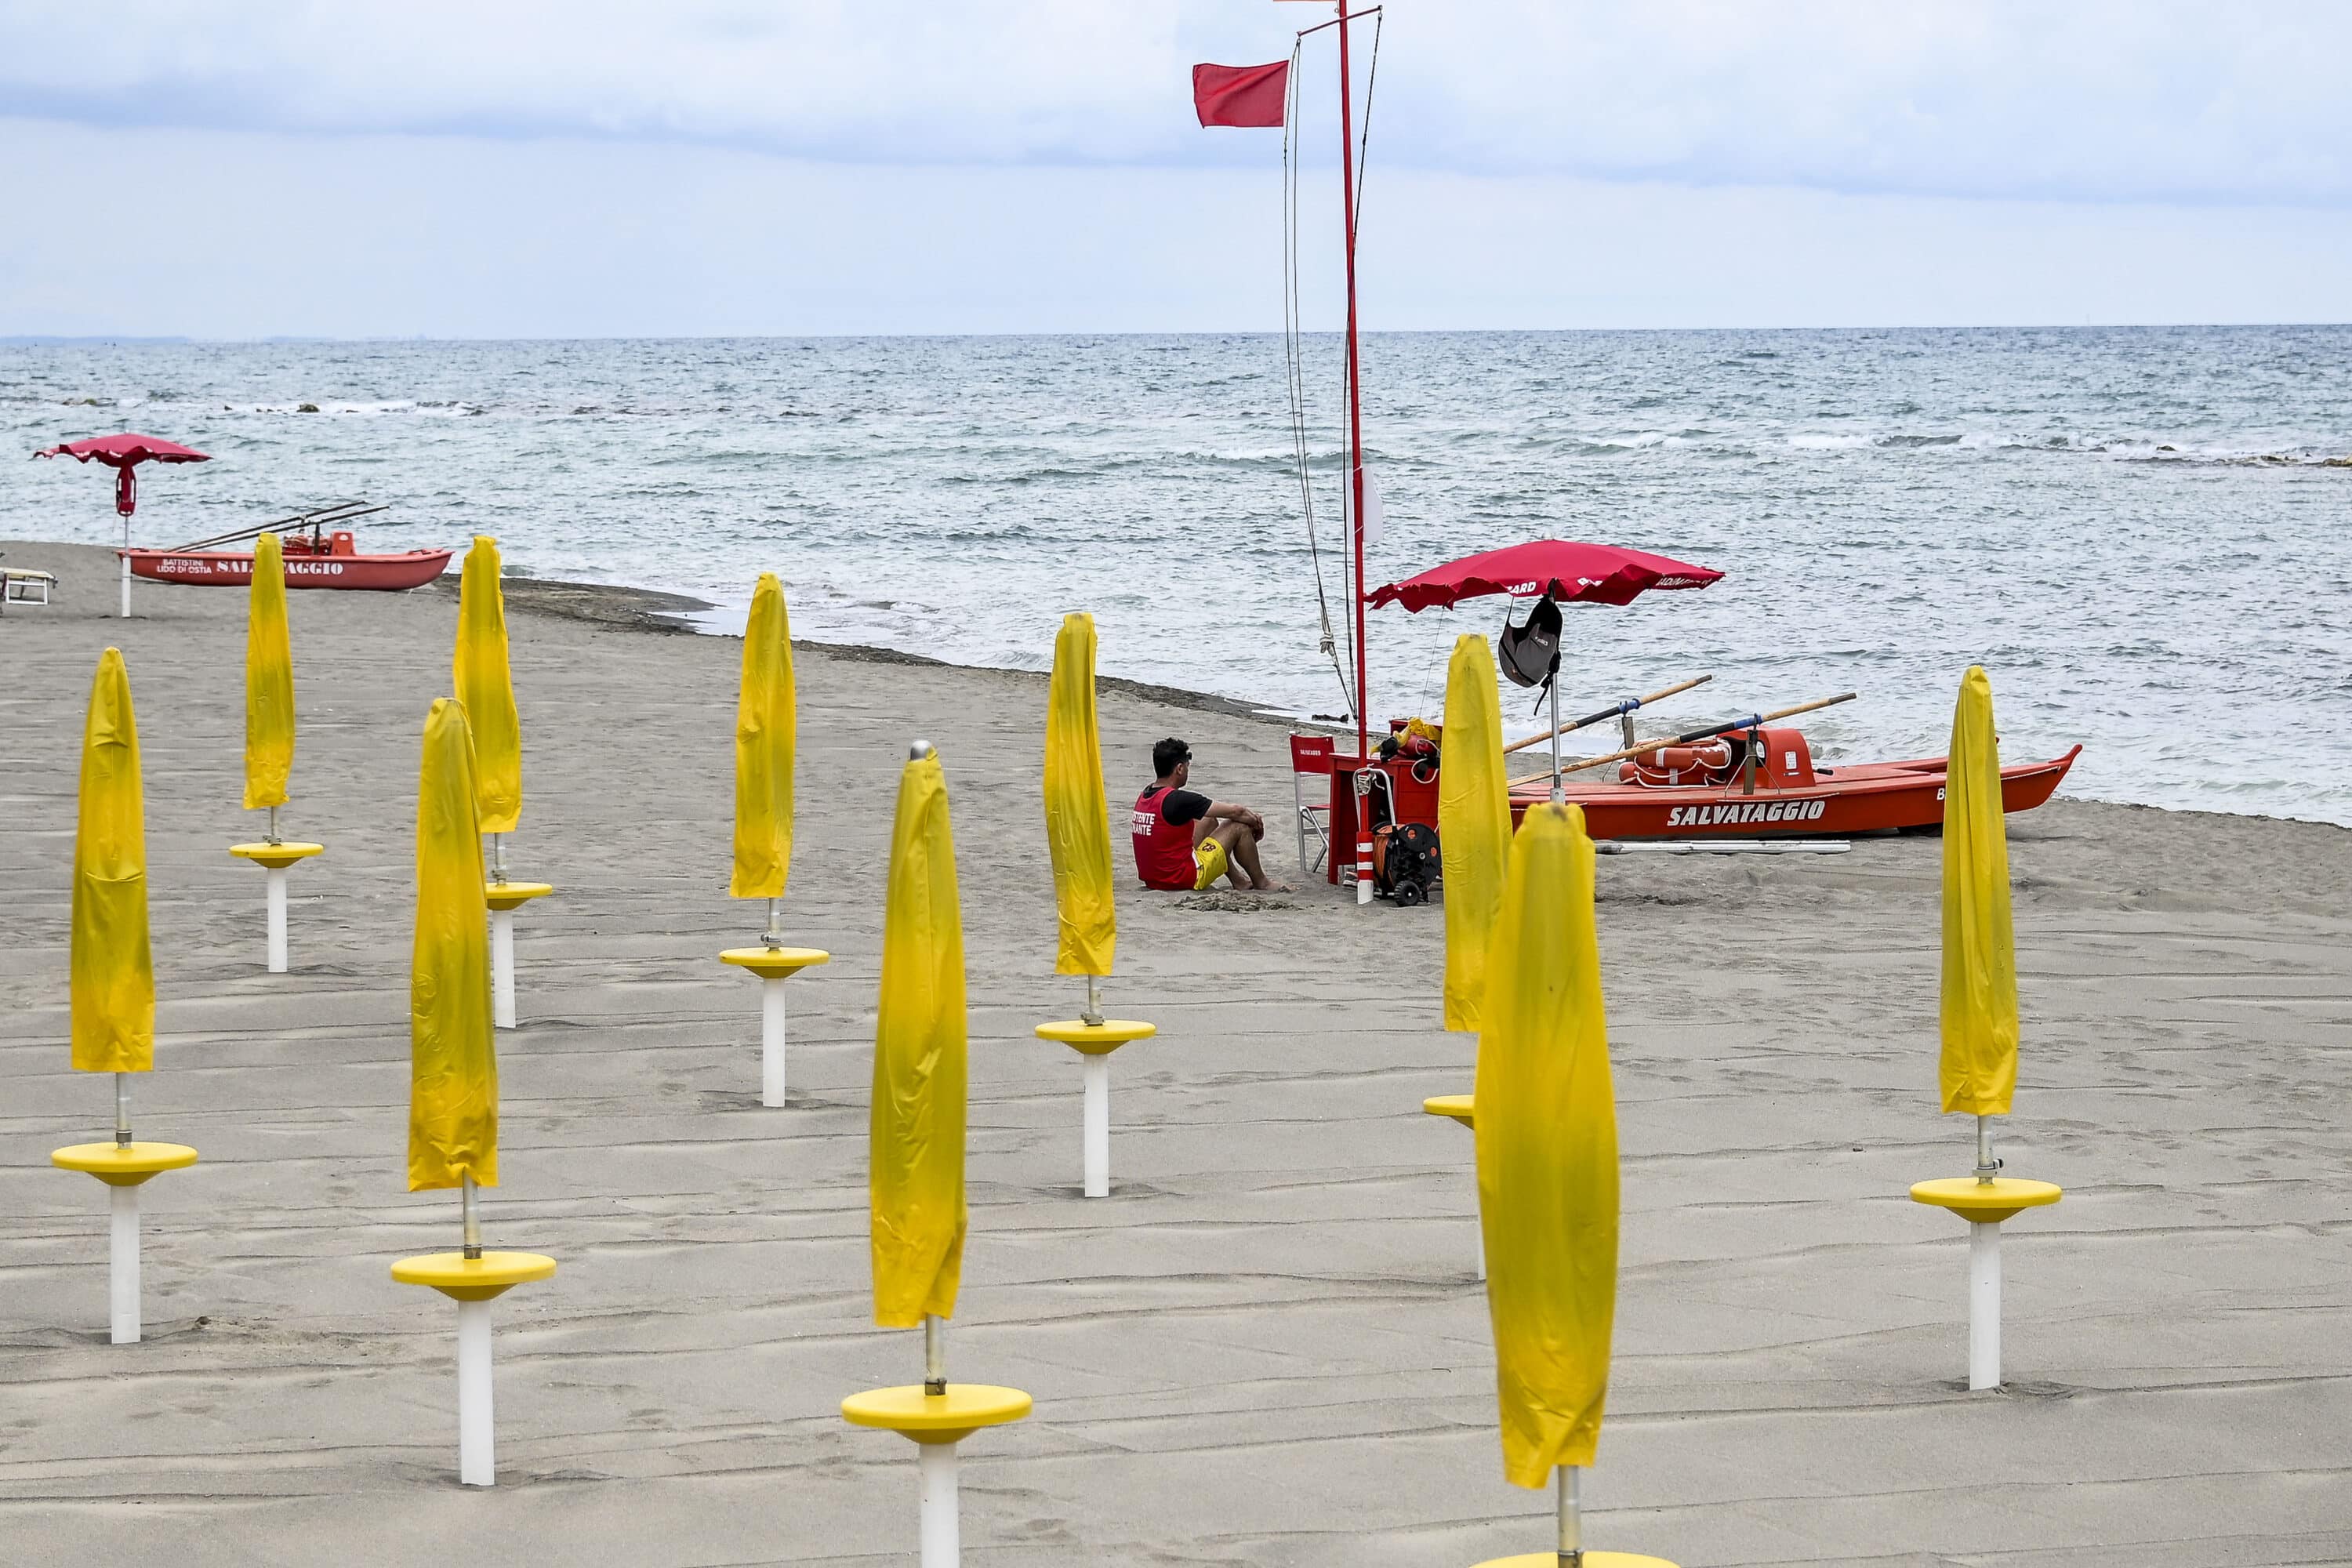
1210,857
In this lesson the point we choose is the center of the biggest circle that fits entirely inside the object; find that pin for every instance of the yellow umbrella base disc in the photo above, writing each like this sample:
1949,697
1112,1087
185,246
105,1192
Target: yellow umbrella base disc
1096,1040
276,857
948,1417
1985,1202
118,1166
464,1279
514,895
1457,1106
775,963
1591,1560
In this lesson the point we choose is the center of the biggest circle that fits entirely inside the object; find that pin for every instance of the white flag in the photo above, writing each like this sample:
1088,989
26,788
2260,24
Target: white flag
1375,520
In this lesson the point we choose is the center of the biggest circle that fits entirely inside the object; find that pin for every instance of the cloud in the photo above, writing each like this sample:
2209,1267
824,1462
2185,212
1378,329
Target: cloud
553,237
2162,100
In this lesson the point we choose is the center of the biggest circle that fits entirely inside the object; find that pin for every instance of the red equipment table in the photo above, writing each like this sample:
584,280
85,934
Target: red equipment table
1407,800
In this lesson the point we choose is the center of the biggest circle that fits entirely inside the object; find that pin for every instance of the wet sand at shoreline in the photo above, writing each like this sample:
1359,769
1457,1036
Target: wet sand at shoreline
1267,1346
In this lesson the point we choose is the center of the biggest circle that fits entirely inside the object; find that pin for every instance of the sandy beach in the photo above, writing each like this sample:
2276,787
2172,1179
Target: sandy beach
1267,1347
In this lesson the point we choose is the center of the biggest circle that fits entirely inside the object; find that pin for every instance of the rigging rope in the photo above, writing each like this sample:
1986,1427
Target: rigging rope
1294,355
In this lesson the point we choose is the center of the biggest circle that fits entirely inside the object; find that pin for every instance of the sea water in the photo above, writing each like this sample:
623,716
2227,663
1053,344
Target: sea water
2140,533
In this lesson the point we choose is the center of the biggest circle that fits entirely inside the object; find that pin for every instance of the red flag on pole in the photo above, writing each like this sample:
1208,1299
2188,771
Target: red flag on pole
1241,95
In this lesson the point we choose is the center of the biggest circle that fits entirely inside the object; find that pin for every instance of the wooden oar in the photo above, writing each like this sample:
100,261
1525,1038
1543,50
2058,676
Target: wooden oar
1752,721
325,517
1612,711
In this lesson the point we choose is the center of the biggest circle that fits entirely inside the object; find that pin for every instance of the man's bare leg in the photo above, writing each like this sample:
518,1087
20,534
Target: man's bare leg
1241,857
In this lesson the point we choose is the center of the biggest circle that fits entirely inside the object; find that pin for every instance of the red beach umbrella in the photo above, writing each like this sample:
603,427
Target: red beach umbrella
1571,572
124,453
1565,573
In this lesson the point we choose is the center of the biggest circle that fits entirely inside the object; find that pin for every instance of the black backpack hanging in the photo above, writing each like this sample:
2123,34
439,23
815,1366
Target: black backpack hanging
1529,653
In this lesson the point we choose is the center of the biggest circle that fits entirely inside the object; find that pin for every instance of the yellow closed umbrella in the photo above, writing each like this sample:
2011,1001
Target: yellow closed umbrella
1979,1071
918,1129
110,970
111,974
765,733
453,1096
486,688
1547,1135
1474,825
268,681
917,1180
1077,817
452,1085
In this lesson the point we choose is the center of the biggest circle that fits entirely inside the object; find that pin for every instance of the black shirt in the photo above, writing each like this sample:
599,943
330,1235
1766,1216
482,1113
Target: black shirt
1179,806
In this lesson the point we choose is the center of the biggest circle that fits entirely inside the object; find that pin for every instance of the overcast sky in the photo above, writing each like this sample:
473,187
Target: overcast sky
507,168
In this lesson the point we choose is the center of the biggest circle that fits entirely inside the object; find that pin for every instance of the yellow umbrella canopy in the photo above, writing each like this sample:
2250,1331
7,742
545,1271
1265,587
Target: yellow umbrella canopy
486,688
917,1183
1547,1137
1979,1071
766,731
269,680
1077,817
1474,824
453,1087
110,969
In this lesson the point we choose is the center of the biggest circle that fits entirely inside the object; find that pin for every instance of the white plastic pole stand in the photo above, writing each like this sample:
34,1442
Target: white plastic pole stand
942,1532
502,1003
276,876
1097,1070
772,1040
1984,1307
478,1463
122,1275
1984,1278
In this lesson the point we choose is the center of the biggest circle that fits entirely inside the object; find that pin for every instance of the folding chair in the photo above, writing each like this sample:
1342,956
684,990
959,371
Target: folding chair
1310,757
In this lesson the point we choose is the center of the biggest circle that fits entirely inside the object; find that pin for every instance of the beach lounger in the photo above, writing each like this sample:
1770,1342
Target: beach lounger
22,587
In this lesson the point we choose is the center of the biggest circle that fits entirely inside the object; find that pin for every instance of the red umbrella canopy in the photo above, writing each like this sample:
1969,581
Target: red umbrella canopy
1570,572
123,453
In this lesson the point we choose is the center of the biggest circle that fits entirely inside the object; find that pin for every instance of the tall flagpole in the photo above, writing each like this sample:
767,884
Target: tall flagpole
1355,401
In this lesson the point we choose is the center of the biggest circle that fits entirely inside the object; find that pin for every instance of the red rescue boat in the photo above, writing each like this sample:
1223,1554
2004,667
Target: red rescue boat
321,558
1708,791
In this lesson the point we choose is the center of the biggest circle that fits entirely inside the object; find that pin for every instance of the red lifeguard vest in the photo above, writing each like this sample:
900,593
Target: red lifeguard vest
1163,849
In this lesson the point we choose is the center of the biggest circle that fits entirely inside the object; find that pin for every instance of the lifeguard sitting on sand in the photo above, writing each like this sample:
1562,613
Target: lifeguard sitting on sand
1184,841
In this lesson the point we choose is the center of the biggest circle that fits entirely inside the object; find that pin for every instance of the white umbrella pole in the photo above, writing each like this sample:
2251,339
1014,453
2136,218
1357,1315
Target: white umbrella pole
772,1040
126,570
1984,1278
1572,1524
1984,1306
122,1233
122,1259
478,1463
1095,1074
942,1531
274,879
1559,783
502,968
1096,1071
